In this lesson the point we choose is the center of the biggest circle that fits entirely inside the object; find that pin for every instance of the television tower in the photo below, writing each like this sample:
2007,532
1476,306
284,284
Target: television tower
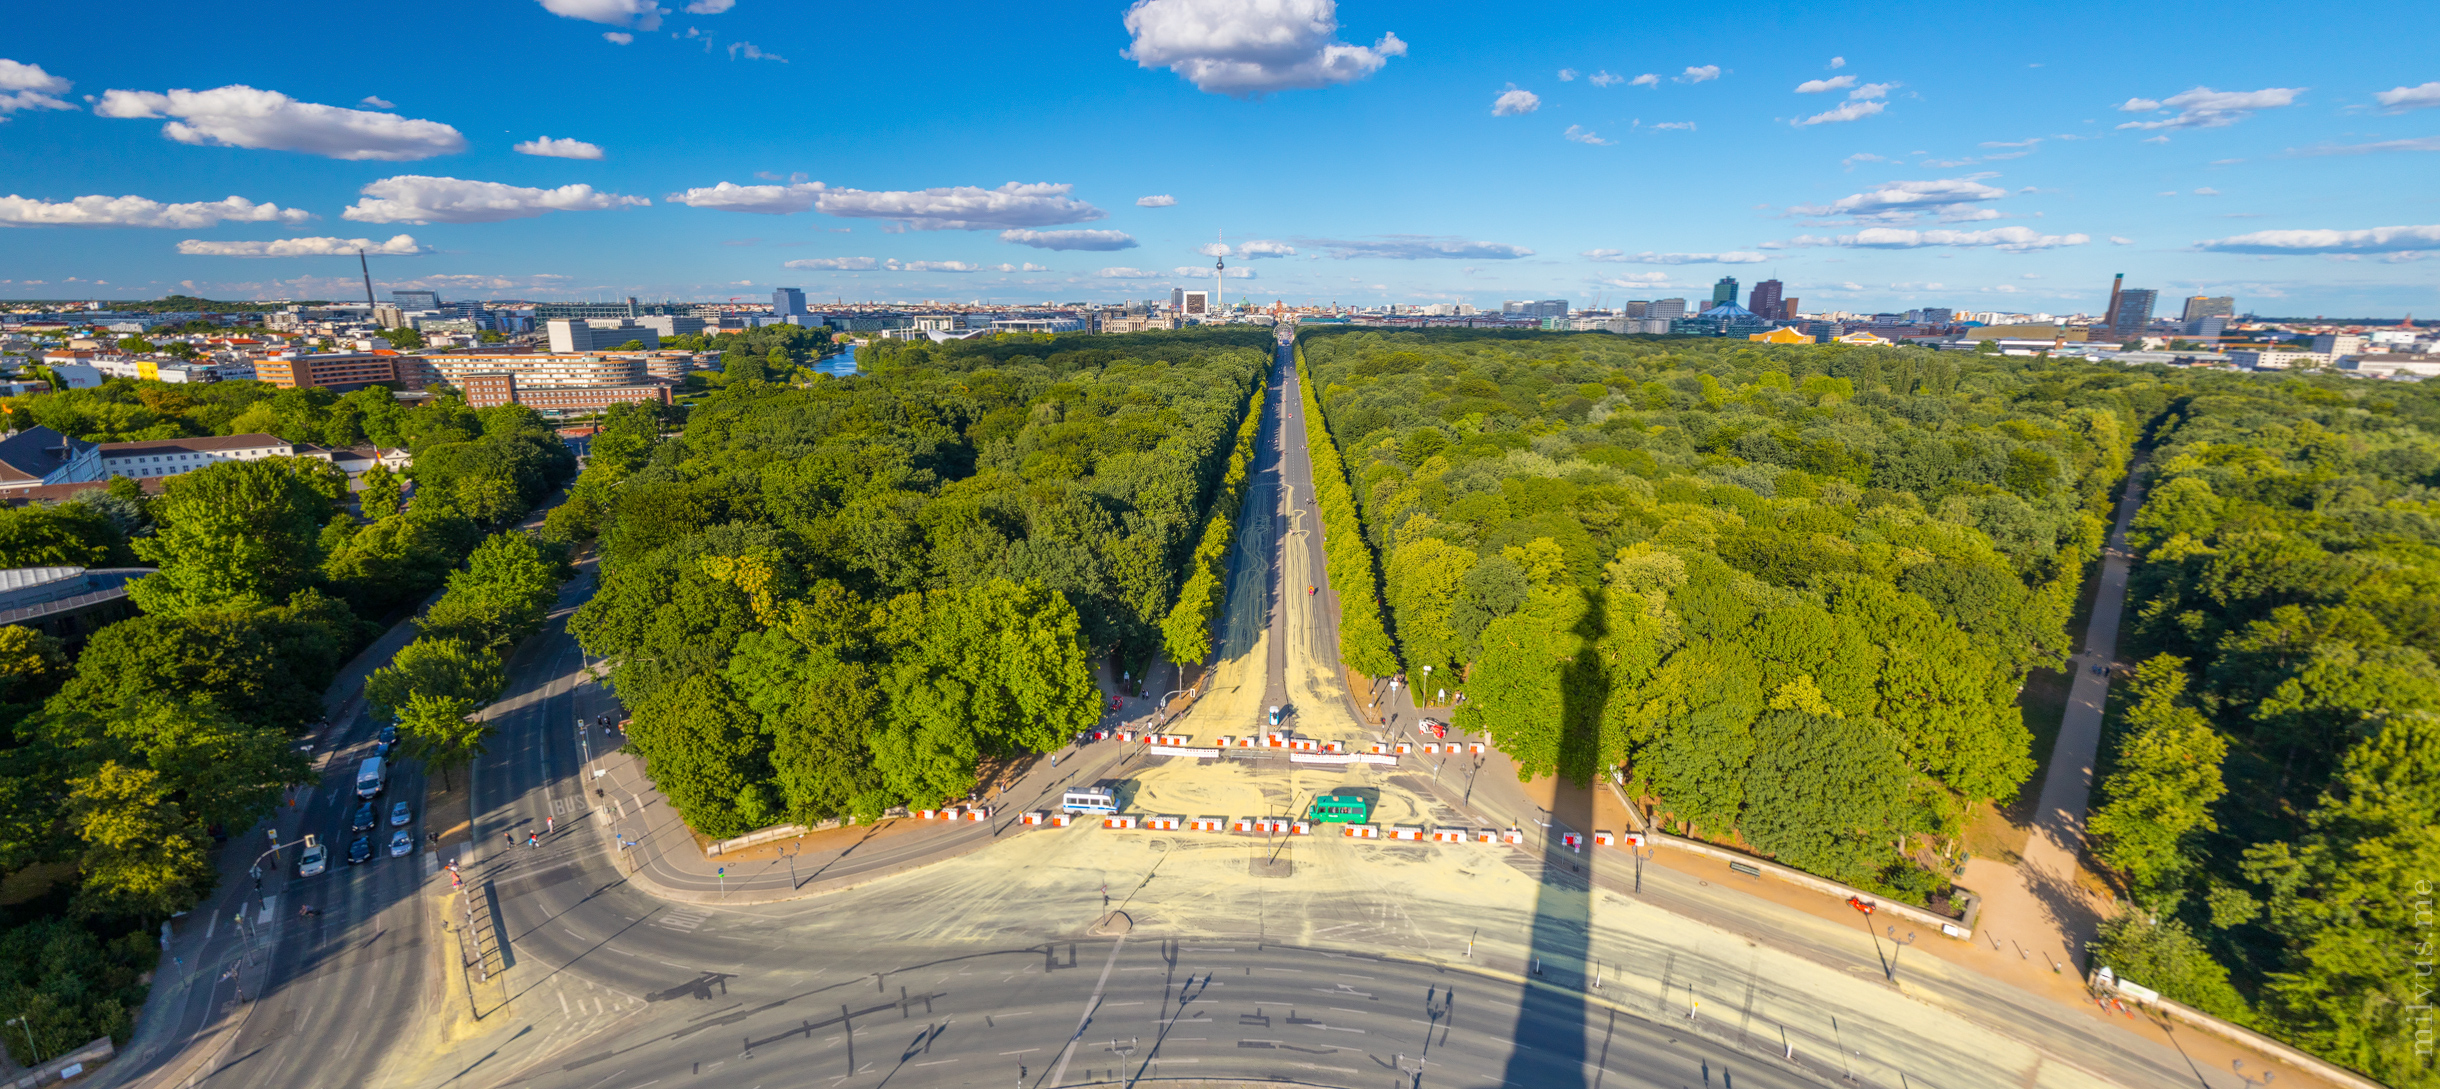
1220,273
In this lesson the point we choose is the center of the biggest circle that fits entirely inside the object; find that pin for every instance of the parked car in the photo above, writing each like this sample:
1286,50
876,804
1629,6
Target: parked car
389,735
361,851
401,842
363,820
1434,727
1274,717
314,860
400,815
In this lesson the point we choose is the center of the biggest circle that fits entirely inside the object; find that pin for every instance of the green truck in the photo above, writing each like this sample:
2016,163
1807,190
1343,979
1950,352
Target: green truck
1340,809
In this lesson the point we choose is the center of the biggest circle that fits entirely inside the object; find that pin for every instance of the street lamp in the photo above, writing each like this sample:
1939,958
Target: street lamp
28,1026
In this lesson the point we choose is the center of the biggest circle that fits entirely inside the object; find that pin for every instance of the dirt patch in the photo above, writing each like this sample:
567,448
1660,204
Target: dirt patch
827,839
1990,834
445,811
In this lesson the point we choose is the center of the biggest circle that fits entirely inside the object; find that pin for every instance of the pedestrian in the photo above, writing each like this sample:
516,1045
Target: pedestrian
550,824
532,840
511,837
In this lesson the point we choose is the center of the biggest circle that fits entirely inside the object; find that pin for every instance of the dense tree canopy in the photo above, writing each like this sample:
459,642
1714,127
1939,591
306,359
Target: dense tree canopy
2289,588
829,599
1790,591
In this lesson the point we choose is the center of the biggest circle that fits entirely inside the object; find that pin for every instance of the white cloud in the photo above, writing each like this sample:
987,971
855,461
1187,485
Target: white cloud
417,198
618,37
2009,239
2206,191
1817,86
1862,157
1124,273
132,211
1681,126
834,264
2121,240
963,207
1567,75
2204,108
2026,143
2399,99
1213,249
769,200
1261,248
1191,272
2369,240
1158,200
1247,50
1415,247
1032,267
1732,257
1648,79
1605,78
753,52
1512,102
28,87
632,14
1070,240
2419,143
2156,139
1871,90
398,246
1845,111
1905,199
377,102
1701,74
1583,135
895,265
241,116
1838,62
565,148
709,7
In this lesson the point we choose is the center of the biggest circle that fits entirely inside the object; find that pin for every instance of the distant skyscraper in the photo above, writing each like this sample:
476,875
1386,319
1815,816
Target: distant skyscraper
1938,315
1725,291
1765,300
1666,309
2109,317
2134,312
1549,308
416,300
787,302
2198,307
1787,308
1516,308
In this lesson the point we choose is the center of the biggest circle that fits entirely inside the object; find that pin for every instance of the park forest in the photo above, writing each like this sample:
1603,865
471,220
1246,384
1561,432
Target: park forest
124,768
1789,596
828,600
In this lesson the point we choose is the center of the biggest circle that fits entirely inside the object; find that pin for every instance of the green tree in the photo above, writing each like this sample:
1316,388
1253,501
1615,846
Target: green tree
141,854
502,596
1825,793
237,533
2143,948
267,668
381,493
2158,798
998,669
436,667
740,367
440,731
73,534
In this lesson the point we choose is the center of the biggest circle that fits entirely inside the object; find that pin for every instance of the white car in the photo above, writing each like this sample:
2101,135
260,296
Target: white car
315,859
400,815
401,842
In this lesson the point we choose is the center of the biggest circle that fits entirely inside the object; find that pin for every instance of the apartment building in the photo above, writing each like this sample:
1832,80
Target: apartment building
537,370
342,371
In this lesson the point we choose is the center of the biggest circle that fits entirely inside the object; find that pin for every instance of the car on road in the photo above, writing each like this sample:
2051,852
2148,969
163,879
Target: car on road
1274,716
363,820
389,735
400,814
1434,727
314,860
361,851
401,842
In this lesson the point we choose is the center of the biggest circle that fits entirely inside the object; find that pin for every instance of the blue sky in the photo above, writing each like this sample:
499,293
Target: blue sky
1871,157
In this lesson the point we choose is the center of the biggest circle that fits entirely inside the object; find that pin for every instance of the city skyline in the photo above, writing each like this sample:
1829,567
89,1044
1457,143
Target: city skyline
1368,154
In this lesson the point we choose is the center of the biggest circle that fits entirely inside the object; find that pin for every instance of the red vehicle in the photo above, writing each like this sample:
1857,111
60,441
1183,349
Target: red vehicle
1434,727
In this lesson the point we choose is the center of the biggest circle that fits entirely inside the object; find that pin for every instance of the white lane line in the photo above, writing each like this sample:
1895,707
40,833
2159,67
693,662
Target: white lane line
1059,1074
563,1004
935,1062
1027,1051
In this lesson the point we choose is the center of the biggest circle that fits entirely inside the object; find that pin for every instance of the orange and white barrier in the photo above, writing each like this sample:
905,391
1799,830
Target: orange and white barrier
979,813
1062,820
1363,831
1379,747
1245,824
1448,835
1486,835
1403,748
1573,841
1163,824
1334,746
1604,839
1126,735
1033,817
1271,825
1206,824
1475,748
1299,828
1118,820
1632,839
1274,741
1245,742
1228,741
1431,748
1403,831
1513,835
1303,744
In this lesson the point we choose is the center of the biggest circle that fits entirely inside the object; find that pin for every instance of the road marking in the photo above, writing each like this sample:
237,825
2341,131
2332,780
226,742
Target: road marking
1060,1073
1027,1051
1154,968
563,1004
935,1062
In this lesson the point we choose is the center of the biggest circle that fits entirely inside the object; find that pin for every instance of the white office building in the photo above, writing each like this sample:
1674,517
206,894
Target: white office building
596,334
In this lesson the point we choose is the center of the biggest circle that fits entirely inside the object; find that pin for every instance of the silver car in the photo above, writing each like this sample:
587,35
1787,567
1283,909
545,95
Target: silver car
401,842
400,815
